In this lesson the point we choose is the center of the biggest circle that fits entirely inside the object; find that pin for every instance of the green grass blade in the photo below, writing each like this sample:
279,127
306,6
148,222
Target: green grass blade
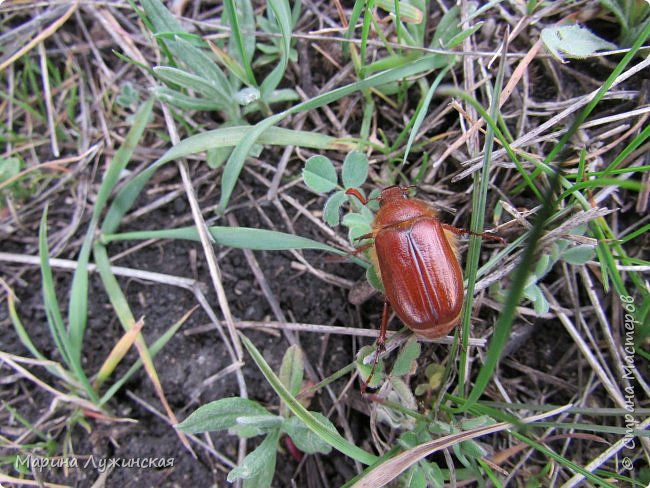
633,185
629,149
185,102
238,40
331,437
23,335
238,237
479,201
422,110
54,317
282,14
231,136
78,304
504,323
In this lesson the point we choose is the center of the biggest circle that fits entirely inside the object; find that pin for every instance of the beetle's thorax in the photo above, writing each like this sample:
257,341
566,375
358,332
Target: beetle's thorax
394,211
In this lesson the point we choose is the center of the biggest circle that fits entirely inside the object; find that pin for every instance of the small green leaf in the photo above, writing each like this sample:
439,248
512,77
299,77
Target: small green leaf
415,478
574,41
304,439
447,28
320,174
409,353
365,369
408,439
354,219
473,449
332,208
535,295
220,415
406,399
292,369
263,479
434,474
357,231
355,169
258,461
373,202
9,167
578,255
531,292
435,374
461,36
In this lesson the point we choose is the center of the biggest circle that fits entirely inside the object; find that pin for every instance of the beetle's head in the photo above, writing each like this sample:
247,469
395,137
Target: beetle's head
393,193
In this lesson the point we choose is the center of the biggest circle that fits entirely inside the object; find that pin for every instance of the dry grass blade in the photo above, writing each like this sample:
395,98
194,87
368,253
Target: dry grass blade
41,36
391,469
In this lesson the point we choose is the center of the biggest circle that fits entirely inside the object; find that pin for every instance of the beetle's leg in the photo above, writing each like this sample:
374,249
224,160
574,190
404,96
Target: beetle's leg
369,235
363,247
485,235
360,249
383,329
381,344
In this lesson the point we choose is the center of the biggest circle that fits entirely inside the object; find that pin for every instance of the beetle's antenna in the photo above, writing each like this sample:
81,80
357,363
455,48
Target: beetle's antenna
356,193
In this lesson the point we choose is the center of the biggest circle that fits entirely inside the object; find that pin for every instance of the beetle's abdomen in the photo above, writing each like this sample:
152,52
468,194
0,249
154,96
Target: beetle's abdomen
421,275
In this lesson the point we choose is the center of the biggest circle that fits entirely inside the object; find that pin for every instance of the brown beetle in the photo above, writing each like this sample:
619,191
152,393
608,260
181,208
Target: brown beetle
416,257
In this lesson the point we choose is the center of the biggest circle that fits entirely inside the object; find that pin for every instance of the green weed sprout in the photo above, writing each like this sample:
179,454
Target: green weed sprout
246,418
632,15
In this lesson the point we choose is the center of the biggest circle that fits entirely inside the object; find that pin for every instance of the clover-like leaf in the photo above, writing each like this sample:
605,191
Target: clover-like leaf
578,255
406,357
373,200
354,219
534,294
332,208
355,169
320,174
574,41
543,265
365,369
